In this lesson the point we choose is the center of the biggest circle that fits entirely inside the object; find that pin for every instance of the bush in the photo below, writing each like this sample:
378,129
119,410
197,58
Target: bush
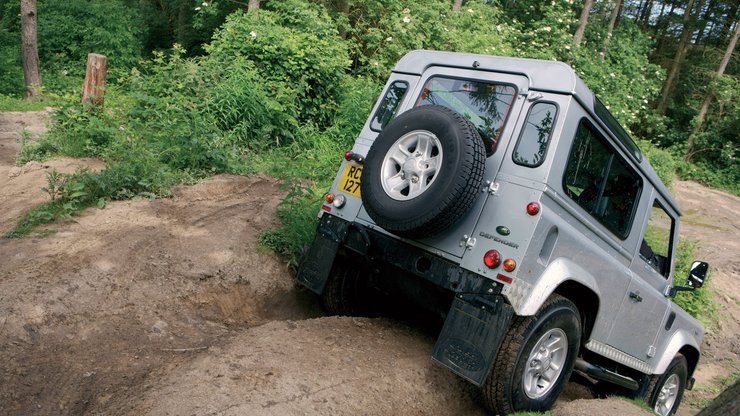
303,64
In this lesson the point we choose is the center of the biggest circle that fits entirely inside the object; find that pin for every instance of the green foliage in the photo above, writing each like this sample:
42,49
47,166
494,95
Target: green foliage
480,28
12,103
699,303
69,30
625,80
296,50
726,178
11,72
664,163
315,156
550,37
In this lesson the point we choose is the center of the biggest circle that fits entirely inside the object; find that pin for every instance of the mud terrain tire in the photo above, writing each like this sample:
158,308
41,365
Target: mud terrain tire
522,378
665,391
423,172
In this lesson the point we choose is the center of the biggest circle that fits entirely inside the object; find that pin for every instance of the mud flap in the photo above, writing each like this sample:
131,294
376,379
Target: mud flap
317,262
472,335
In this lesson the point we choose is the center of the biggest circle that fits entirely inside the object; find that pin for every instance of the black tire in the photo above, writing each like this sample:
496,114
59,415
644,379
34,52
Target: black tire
448,193
665,391
556,322
343,294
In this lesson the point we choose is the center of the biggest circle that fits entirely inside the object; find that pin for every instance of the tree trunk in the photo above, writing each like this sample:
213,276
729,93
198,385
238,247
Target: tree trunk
662,31
683,47
582,22
253,5
29,49
729,21
93,89
612,24
708,99
704,21
457,5
646,12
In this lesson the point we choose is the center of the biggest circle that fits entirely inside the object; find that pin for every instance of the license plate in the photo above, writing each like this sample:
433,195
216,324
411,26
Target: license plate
349,182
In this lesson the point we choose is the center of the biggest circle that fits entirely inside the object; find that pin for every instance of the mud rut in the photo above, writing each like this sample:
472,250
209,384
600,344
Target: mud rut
171,307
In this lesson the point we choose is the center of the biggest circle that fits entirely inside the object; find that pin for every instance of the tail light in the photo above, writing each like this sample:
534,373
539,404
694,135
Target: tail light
492,259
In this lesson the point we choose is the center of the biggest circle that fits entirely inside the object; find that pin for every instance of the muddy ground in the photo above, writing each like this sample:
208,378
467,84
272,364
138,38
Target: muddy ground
170,307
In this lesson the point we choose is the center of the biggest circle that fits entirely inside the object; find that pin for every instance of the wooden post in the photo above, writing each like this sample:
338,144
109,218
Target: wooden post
93,89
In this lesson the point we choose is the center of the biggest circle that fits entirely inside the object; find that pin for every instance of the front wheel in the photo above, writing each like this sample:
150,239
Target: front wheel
535,359
665,390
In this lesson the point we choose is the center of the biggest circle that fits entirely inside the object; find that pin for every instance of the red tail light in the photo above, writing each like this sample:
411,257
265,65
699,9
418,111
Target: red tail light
492,259
533,208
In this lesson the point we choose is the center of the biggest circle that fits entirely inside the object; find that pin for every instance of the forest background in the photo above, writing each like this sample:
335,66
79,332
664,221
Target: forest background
283,87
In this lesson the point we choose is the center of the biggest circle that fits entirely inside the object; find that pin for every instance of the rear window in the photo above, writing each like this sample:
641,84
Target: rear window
532,146
388,107
485,104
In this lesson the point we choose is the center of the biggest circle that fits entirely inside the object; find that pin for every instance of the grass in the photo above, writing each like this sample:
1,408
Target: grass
8,103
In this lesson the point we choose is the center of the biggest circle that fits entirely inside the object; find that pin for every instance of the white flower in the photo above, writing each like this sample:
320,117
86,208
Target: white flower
205,4
471,11
406,19
567,47
197,8
547,28
611,74
389,38
253,34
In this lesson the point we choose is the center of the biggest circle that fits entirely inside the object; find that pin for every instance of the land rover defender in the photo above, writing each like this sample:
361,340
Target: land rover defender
503,193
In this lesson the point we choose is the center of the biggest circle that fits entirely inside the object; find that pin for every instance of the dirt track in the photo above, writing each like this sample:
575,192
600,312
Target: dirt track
171,307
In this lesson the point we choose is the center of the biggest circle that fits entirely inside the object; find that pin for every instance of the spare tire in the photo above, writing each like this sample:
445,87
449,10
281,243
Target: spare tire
423,172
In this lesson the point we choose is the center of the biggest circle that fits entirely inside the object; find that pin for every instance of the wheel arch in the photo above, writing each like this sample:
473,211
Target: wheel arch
561,276
585,299
681,342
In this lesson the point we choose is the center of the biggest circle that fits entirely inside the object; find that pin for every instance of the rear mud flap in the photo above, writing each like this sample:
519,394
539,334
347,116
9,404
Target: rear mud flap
319,259
472,335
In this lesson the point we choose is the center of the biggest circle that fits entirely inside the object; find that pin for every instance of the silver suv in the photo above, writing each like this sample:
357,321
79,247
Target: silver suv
502,192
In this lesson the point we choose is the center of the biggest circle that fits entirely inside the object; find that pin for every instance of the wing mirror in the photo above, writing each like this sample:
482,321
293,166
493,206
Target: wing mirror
695,280
697,274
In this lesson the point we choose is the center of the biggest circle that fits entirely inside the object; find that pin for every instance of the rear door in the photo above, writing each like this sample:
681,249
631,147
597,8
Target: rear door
492,102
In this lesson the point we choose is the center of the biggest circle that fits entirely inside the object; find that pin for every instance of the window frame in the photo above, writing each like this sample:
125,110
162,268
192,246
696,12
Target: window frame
374,119
549,136
623,160
656,203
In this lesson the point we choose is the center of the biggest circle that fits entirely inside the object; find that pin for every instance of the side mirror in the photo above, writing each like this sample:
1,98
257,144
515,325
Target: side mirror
697,274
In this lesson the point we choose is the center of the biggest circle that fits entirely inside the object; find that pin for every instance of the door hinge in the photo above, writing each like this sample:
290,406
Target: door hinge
467,242
492,188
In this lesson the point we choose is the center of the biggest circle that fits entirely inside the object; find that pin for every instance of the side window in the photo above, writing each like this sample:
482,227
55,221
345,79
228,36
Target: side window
601,182
656,244
485,104
532,146
389,105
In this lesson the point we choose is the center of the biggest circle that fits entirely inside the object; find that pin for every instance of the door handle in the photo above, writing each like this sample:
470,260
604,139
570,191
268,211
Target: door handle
636,296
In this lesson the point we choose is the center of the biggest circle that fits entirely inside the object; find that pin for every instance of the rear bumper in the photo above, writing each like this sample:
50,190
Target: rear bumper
477,320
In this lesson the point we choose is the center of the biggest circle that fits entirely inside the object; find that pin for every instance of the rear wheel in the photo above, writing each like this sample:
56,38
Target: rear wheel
342,293
665,391
535,359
